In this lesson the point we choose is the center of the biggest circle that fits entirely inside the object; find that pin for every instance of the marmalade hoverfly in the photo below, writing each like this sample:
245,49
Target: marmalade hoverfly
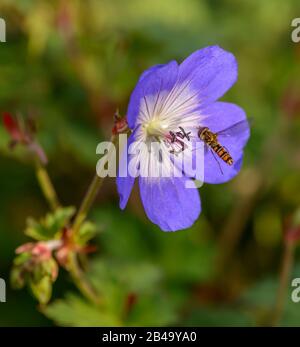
212,141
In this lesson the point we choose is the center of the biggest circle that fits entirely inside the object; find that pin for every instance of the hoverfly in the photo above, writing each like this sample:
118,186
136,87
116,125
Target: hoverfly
212,142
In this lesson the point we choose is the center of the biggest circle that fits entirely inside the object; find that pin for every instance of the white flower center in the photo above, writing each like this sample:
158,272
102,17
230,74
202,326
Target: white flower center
155,128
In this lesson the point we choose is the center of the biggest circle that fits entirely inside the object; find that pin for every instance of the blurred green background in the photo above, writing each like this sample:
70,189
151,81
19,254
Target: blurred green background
71,64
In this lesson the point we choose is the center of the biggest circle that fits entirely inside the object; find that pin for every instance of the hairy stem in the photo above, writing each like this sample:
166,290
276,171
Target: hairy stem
46,186
87,202
91,194
78,276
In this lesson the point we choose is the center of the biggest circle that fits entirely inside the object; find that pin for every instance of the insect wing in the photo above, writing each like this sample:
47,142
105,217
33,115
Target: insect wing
237,129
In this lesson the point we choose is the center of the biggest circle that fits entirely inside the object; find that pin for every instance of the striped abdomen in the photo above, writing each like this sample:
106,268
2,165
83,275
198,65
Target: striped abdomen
221,152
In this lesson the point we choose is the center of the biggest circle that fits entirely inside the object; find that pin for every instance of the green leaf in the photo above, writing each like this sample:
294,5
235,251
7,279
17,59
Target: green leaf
87,232
76,312
47,268
155,309
38,275
17,278
115,281
42,289
51,226
22,258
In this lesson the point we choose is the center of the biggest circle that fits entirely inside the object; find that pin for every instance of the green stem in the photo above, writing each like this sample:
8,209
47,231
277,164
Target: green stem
77,274
46,186
87,202
73,267
285,273
80,280
91,194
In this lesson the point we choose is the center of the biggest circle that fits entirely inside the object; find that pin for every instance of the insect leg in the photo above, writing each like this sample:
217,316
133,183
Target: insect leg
216,159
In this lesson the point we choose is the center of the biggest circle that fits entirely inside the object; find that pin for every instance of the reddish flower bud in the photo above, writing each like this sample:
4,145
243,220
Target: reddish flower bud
27,247
12,127
69,246
62,256
120,125
24,135
40,251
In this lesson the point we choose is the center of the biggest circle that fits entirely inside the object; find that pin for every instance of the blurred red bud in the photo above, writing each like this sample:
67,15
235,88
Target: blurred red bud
27,247
120,125
12,127
24,135
40,250
292,235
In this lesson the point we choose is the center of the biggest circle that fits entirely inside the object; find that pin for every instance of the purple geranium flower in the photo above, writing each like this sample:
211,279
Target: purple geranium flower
172,98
